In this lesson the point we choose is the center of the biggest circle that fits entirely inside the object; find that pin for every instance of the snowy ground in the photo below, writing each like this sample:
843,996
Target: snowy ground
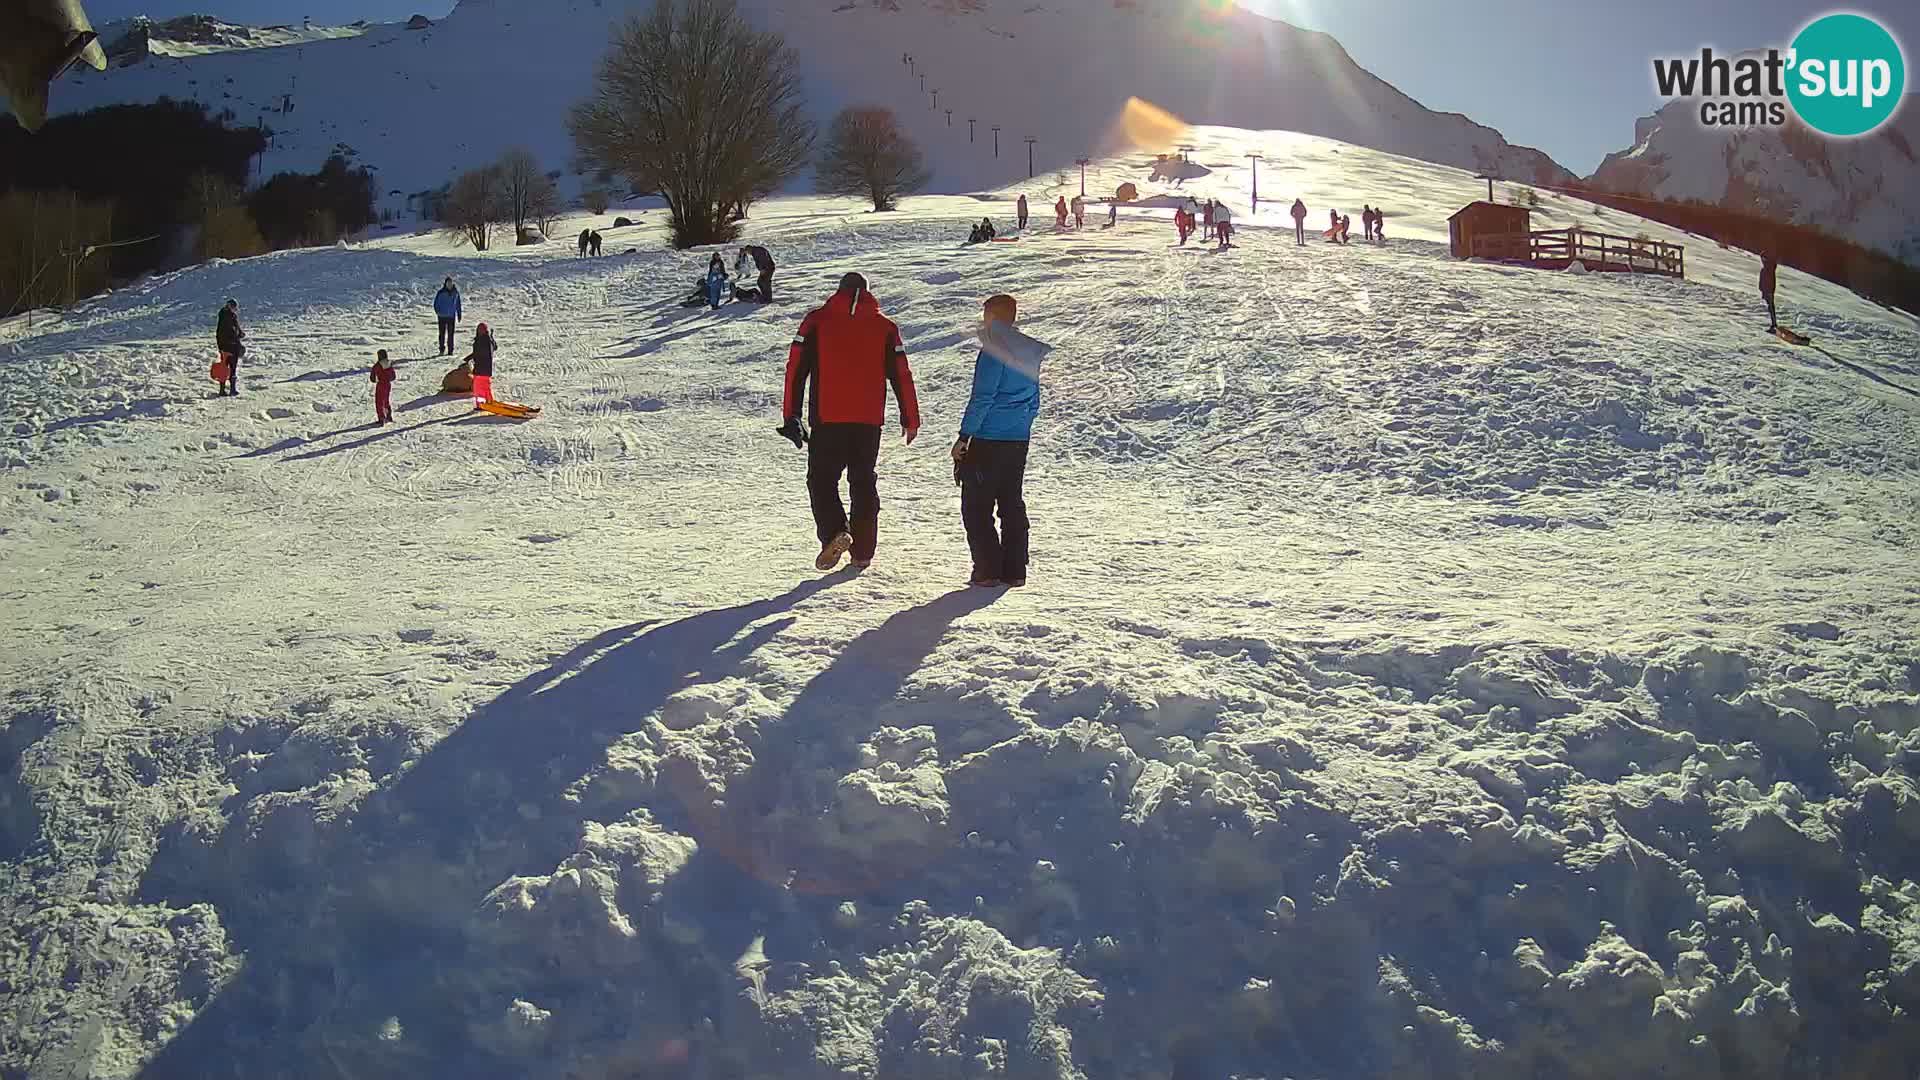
1429,669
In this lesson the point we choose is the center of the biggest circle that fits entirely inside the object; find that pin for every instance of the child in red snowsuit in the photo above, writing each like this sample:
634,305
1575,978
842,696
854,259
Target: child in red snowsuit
382,379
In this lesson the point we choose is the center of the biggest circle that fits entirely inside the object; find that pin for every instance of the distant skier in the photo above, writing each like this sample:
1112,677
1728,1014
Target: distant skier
1206,217
1346,229
1223,225
1060,214
231,341
482,360
850,354
1366,221
1380,228
1079,207
382,379
1113,214
716,280
1769,280
593,244
586,237
1299,213
1020,211
990,456
762,260
446,305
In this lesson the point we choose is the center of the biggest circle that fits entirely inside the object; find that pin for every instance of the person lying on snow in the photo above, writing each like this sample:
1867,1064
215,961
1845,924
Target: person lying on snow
459,380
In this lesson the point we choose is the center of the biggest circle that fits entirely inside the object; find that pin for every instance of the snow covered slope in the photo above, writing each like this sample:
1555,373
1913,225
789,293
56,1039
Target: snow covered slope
130,41
1428,669
420,105
1866,190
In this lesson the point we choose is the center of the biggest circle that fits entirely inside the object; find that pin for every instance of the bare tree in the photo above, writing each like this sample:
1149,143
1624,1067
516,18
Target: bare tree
868,153
475,206
596,200
694,103
530,194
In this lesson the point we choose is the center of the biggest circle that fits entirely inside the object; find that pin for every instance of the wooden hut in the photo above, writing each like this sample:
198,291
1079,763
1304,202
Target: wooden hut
1484,218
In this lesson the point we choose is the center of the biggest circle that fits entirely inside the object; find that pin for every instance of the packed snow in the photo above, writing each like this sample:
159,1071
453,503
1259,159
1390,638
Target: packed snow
1427,668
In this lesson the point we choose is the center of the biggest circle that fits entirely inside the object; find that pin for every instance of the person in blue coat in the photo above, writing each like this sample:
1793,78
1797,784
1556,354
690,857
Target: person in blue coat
716,280
446,304
990,456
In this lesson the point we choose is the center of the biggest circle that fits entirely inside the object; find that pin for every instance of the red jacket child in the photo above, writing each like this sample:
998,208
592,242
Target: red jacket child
382,379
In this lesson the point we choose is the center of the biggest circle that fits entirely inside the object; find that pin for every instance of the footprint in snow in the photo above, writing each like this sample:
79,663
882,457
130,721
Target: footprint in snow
542,538
944,277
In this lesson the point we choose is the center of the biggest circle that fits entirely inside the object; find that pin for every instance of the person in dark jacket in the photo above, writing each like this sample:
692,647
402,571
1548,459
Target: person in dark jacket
586,238
990,456
843,358
1769,280
382,379
1299,213
231,340
446,306
593,243
482,360
763,263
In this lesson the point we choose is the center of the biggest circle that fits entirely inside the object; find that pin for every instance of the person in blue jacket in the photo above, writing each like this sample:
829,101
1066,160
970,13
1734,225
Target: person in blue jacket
446,304
716,280
990,456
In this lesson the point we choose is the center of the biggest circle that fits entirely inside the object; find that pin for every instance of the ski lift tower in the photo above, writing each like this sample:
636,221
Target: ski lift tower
1030,141
1489,178
1186,154
1082,162
1256,159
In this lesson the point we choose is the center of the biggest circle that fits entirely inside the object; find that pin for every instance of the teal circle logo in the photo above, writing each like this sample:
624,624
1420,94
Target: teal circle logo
1846,75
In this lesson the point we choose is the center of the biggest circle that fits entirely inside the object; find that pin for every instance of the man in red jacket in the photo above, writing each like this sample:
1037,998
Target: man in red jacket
849,352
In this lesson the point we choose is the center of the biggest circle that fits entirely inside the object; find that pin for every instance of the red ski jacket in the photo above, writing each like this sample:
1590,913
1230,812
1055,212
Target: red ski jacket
850,353
380,376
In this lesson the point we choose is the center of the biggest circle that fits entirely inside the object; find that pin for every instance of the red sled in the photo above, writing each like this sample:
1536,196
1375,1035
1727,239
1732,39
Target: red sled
219,371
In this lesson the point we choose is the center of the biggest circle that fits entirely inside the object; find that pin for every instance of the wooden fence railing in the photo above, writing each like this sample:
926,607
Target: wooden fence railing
1555,248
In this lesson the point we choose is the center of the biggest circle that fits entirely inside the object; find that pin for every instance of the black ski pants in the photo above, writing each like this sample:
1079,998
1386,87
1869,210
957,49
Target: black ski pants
766,286
446,335
992,477
853,449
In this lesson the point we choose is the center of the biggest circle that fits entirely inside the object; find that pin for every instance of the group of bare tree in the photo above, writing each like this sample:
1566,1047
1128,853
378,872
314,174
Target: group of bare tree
694,103
510,192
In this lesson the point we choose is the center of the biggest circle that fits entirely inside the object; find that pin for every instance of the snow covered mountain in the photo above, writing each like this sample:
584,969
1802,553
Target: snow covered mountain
130,41
421,104
1428,669
1866,190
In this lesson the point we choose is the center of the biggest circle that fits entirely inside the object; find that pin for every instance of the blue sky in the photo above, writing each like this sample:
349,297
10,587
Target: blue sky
1569,78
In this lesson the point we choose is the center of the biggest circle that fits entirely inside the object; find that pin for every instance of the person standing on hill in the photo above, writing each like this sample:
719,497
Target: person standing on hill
482,360
1769,280
231,341
446,305
990,456
1223,225
1079,208
586,237
1206,218
843,358
1060,214
1299,213
762,260
593,244
1020,211
382,379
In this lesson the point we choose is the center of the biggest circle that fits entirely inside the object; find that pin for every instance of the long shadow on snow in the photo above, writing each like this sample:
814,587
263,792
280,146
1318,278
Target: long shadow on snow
378,918
1858,370
324,376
